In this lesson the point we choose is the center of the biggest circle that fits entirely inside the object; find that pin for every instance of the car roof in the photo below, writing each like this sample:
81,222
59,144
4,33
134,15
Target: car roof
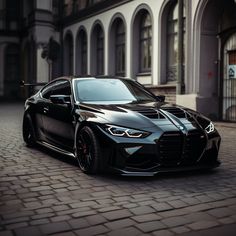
70,78
74,77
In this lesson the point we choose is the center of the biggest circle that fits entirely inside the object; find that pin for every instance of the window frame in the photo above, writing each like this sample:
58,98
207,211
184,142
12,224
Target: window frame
53,86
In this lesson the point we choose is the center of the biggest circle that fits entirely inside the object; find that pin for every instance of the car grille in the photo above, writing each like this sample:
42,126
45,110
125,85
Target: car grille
177,148
170,148
195,143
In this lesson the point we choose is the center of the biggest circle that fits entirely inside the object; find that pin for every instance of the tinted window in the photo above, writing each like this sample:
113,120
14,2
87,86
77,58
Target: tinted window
47,91
93,90
60,87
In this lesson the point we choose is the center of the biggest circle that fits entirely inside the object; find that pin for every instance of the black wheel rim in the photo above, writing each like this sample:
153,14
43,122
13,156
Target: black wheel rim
84,150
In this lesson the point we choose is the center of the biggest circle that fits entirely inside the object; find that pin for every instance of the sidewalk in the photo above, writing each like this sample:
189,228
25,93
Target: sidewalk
225,124
43,193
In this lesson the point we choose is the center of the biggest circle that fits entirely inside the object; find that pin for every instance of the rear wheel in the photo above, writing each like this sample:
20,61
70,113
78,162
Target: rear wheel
88,151
28,131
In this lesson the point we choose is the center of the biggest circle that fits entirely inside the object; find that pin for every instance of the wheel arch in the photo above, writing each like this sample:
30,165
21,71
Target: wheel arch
79,126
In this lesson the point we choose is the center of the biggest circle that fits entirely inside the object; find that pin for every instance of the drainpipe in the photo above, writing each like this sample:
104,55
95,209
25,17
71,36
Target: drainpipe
180,72
61,33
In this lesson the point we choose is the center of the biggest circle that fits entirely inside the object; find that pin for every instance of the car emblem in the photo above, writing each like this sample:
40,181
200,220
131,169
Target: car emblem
181,127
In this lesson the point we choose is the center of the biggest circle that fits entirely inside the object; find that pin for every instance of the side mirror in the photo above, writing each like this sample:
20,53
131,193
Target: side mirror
161,98
60,99
22,83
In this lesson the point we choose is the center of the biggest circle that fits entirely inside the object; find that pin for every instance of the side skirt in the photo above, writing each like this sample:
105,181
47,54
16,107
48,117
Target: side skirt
56,149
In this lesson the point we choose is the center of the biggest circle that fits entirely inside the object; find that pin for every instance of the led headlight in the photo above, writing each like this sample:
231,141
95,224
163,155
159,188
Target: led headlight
210,128
125,132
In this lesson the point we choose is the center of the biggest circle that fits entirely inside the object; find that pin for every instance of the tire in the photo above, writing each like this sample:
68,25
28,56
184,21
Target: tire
88,151
28,132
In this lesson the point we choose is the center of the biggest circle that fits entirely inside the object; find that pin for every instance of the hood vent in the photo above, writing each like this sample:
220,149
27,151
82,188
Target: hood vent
175,111
150,113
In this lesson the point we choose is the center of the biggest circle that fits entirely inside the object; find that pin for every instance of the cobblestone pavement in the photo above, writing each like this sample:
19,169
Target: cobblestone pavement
43,193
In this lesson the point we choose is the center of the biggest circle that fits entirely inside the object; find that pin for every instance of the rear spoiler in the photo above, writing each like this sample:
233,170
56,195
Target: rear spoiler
30,88
23,84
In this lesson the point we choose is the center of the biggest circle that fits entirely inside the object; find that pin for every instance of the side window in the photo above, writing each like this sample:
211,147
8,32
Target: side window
62,88
47,91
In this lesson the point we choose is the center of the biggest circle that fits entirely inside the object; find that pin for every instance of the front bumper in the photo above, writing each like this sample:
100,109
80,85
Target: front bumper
160,152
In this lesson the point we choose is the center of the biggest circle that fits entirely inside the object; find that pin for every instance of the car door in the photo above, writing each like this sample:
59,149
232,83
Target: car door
58,118
42,109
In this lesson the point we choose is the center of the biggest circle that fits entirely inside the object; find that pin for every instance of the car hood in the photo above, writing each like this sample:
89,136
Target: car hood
145,115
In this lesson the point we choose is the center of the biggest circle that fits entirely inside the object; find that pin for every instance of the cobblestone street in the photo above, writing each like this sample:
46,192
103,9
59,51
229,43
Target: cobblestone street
43,193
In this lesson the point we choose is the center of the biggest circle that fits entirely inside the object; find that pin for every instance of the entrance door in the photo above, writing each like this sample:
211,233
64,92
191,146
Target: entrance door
229,80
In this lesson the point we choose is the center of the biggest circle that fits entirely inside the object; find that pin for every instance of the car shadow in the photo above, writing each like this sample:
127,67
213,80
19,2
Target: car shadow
119,178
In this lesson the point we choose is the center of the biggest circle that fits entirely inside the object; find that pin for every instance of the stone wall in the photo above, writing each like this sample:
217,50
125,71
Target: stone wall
168,90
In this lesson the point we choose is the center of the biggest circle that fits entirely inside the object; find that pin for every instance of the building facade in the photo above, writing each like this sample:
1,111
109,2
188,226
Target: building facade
43,39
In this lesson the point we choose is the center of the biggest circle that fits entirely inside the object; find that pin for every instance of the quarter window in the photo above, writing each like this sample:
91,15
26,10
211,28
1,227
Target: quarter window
60,87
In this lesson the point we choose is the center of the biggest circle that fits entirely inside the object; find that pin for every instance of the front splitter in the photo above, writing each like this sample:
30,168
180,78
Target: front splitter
153,172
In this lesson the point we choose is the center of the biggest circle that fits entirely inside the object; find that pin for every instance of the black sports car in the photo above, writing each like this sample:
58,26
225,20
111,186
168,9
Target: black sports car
116,124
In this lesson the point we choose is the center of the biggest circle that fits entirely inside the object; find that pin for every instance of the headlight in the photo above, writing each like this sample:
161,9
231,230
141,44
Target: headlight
210,128
125,132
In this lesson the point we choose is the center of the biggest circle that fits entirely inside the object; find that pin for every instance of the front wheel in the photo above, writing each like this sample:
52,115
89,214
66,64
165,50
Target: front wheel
28,131
88,151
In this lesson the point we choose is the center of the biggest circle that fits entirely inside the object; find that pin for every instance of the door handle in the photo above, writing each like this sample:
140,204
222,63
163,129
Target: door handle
45,110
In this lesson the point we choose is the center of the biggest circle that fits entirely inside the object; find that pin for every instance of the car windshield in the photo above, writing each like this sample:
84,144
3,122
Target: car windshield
110,90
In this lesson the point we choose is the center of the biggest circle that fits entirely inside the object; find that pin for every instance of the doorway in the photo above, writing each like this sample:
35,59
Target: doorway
12,72
229,80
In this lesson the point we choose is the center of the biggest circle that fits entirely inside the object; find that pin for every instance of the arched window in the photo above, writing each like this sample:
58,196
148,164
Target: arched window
97,50
120,48
145,63
172,42
100,51
82,53
68,55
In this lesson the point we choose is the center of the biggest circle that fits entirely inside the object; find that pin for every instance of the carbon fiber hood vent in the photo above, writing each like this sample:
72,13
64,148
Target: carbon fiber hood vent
150,113
178,112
